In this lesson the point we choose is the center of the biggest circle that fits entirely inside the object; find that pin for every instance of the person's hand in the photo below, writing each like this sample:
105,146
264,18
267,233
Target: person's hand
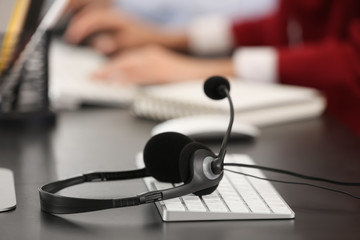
157,65
110,31
76,5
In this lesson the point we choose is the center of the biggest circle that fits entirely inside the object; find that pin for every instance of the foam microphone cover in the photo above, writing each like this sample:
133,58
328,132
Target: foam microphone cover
162,154
212,87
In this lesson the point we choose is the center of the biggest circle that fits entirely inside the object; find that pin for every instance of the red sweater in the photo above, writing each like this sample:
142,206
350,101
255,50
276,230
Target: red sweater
327,57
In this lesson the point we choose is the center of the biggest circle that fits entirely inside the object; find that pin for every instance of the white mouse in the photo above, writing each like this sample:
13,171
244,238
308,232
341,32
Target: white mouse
207,128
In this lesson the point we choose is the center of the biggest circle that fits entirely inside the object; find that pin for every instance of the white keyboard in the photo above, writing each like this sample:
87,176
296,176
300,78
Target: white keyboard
237,198
71,83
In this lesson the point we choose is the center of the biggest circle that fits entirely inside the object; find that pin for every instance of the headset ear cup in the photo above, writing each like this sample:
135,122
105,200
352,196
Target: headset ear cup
161,156
185,159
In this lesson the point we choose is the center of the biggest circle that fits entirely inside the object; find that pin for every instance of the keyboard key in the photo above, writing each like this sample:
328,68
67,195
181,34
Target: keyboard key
162,185
174,204
174,207
194,203
214,203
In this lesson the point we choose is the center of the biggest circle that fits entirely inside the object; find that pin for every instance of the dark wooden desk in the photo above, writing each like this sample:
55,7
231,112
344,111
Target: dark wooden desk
109,139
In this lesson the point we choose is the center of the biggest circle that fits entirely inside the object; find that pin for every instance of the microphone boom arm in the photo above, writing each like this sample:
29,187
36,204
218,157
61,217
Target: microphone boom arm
218,164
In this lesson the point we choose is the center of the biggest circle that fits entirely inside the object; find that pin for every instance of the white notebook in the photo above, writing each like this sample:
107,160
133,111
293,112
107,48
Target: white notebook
257,104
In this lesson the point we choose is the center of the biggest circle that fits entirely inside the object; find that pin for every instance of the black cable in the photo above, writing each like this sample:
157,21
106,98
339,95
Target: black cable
294,174
295,183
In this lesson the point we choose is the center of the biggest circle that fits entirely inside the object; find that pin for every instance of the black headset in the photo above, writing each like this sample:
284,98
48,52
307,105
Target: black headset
169,157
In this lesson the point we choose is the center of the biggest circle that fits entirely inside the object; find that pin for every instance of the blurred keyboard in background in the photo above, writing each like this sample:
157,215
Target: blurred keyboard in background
71,83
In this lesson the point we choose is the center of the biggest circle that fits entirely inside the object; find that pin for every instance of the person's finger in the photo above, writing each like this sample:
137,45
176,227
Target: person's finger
105,43
141,66
90,22
125,68
74,5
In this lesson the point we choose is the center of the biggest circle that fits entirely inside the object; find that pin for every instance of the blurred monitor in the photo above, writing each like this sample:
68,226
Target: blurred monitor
23,25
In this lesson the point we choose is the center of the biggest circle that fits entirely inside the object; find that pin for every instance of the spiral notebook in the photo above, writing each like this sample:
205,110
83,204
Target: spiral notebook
257,104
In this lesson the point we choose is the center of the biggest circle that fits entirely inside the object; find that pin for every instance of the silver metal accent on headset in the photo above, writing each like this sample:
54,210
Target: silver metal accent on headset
207,168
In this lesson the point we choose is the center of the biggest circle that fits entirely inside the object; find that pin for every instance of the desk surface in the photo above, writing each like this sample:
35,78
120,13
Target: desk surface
109,139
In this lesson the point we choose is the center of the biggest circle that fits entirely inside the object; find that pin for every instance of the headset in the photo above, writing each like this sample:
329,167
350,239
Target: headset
168,157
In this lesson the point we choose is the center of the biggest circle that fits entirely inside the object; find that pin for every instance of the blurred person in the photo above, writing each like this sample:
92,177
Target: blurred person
177,14
171,15
313,43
